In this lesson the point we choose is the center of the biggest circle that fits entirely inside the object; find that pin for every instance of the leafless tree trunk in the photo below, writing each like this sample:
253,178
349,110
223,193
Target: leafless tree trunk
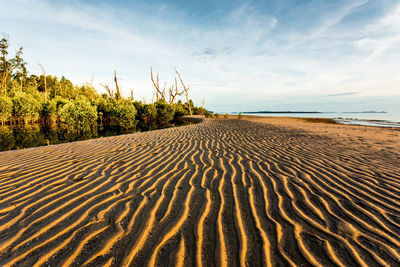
186,90
109,91
158,93
173,92
118,93
45,82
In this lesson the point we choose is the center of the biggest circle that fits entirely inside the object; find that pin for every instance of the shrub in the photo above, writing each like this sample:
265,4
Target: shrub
180,110
7,138
216,115
6,108
240,116
165,113
226,116
79,116
124,114
49,112
147,115
26,106
117,112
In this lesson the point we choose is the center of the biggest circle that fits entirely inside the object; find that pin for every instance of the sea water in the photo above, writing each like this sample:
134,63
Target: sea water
389,119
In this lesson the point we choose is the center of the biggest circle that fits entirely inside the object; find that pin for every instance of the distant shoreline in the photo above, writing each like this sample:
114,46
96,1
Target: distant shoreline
308,112
280,112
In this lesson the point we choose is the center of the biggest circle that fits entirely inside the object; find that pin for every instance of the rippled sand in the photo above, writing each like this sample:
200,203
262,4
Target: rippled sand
218,193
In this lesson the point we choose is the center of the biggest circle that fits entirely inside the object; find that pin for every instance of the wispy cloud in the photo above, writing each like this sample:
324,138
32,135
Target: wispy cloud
241,53
344,94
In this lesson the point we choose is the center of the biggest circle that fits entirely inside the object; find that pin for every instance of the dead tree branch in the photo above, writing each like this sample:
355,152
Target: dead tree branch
109,91
158,93
118,90
173,92
186,90
45,82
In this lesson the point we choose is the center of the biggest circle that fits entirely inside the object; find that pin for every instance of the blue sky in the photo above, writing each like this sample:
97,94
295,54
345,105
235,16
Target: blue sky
238,55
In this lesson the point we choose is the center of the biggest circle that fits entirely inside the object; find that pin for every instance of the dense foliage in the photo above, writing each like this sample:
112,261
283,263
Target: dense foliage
49,100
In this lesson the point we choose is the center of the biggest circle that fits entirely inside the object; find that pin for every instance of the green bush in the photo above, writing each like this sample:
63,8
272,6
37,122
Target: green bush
180,110
165,113
146,115
226,116
124,114
117,112
79,116
26,106
7,138
49,108
6,108
29,135
240,116
49,112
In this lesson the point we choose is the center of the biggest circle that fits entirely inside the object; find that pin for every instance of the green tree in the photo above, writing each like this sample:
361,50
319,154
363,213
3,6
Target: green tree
26,107
180,109
124,114
79,115
7,138
66,88
9,68
147,115
49,112
88,91
117,112
165,113
51,85
6,107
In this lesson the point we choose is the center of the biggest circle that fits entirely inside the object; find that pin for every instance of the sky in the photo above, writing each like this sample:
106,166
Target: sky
320,55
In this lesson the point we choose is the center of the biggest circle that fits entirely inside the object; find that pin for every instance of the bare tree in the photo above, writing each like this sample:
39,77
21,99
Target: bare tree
118,91
91,81
158,93
173,92
110,92
186,91
113,94
45,82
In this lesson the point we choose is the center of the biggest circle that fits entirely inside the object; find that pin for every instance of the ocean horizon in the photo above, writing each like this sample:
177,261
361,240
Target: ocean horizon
387,116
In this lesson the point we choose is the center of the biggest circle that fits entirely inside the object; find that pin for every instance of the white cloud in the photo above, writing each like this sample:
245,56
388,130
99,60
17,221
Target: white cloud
249,55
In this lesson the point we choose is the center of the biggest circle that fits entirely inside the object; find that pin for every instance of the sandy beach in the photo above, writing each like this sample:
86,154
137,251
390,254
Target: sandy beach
223,192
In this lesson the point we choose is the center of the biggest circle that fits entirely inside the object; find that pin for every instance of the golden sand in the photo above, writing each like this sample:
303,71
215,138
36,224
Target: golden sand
255,192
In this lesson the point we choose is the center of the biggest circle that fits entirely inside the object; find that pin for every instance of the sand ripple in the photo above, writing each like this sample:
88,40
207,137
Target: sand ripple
218,193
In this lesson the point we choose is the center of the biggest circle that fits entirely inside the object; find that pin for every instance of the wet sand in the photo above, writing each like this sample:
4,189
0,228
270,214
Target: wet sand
255,192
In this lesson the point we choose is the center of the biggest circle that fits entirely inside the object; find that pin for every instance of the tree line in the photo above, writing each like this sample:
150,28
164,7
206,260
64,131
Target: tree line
49,100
